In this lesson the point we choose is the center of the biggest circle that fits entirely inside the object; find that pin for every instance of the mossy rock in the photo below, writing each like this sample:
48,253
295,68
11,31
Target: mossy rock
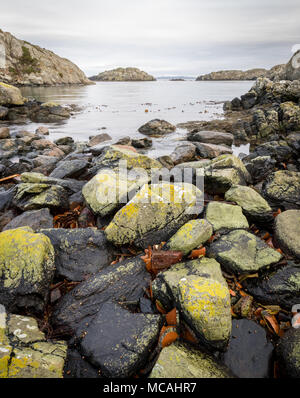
223,216
26,269
10,95
287,231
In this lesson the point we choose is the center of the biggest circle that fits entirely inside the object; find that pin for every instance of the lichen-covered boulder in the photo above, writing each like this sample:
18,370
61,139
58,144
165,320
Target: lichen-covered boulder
211,151
108,190
241,252
282,189
157,128
26,269
288,353
190,236
24,351
155,213
287,231
205,304
290,116
183,361
253,204
225,216
10,95
118,341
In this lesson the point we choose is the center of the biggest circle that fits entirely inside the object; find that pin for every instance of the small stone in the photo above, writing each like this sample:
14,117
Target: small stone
4,133
42,130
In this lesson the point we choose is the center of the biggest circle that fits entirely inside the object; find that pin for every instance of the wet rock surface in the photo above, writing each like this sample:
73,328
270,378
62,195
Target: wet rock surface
35,219
288,354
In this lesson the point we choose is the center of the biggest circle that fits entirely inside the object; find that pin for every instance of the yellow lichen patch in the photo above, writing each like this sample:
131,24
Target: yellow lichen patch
23,255
5,351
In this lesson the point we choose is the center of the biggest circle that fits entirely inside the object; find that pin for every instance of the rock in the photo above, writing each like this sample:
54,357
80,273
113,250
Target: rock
282,189
3,112
251,74
190,236
69,168
157,128
78,368
4,133
42,130
142,143
6,198
38,178
155,213
241,252
211,151
42,144
253,204
205,305
166,161
128,340
292,68
50,113
10,95
79,253
24,351
36,196
123,75
183,361
249,353
28,64
98,139
27,268
287,231
64,141
260,167
108,190
223,216
280,287
36,219
6,217
183,153
121,282
212,137
290,116
288,354
266,122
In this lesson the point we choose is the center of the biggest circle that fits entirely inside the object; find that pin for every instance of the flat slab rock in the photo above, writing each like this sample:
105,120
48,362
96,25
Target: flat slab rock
119,342
249,353
35,219
121,282
79,253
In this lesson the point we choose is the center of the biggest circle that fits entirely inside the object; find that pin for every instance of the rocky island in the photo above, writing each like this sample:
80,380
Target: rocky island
123,75
251,74
23,63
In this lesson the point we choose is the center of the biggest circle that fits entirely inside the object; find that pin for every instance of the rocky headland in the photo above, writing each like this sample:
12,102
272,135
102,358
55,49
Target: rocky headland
123,75
23,63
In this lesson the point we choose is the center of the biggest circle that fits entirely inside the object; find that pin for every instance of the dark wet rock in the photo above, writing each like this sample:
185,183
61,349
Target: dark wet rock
50,113
260,167
79,253
98,139
4,132
289,114
293,141
146,306
3,112
69,169
265,123
27,269
280,287
181,361
6,198
123,282
212,137
35,219
288,354
287,232
76,197
64,141
124,141
119,342
241,252
278,150
183,153
142,143
157,128
70,185
282,189
211,151
44,163
6,218
249,353
76,367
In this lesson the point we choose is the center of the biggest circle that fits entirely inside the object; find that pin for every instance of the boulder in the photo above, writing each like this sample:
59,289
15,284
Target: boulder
191,235
287,232
288,355
155,213
35,219
282,189
79,253
223,216
157,128
183,153
26,268
69,168
182,361
128,339
241,252
10,95
212,137
24,351
290,116
42,130
211,151
98,139
142,143
253,204
4,133
292,68
3,112
260,167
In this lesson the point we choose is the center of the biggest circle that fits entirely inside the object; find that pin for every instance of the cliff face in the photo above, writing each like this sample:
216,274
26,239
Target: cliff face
123,75
251,74
22,63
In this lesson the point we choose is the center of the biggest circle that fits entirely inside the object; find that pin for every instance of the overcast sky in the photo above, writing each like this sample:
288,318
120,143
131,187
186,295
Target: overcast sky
162,37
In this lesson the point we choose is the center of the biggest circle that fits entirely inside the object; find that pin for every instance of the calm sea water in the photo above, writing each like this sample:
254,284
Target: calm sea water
120,108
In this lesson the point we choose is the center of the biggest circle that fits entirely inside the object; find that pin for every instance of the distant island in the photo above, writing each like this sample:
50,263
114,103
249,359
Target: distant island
250,74
123,75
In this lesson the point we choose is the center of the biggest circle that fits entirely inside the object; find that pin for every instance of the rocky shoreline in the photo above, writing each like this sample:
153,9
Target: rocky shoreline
157,288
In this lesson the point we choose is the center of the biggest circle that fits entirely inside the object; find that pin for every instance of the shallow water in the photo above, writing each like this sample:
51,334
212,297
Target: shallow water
122,107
